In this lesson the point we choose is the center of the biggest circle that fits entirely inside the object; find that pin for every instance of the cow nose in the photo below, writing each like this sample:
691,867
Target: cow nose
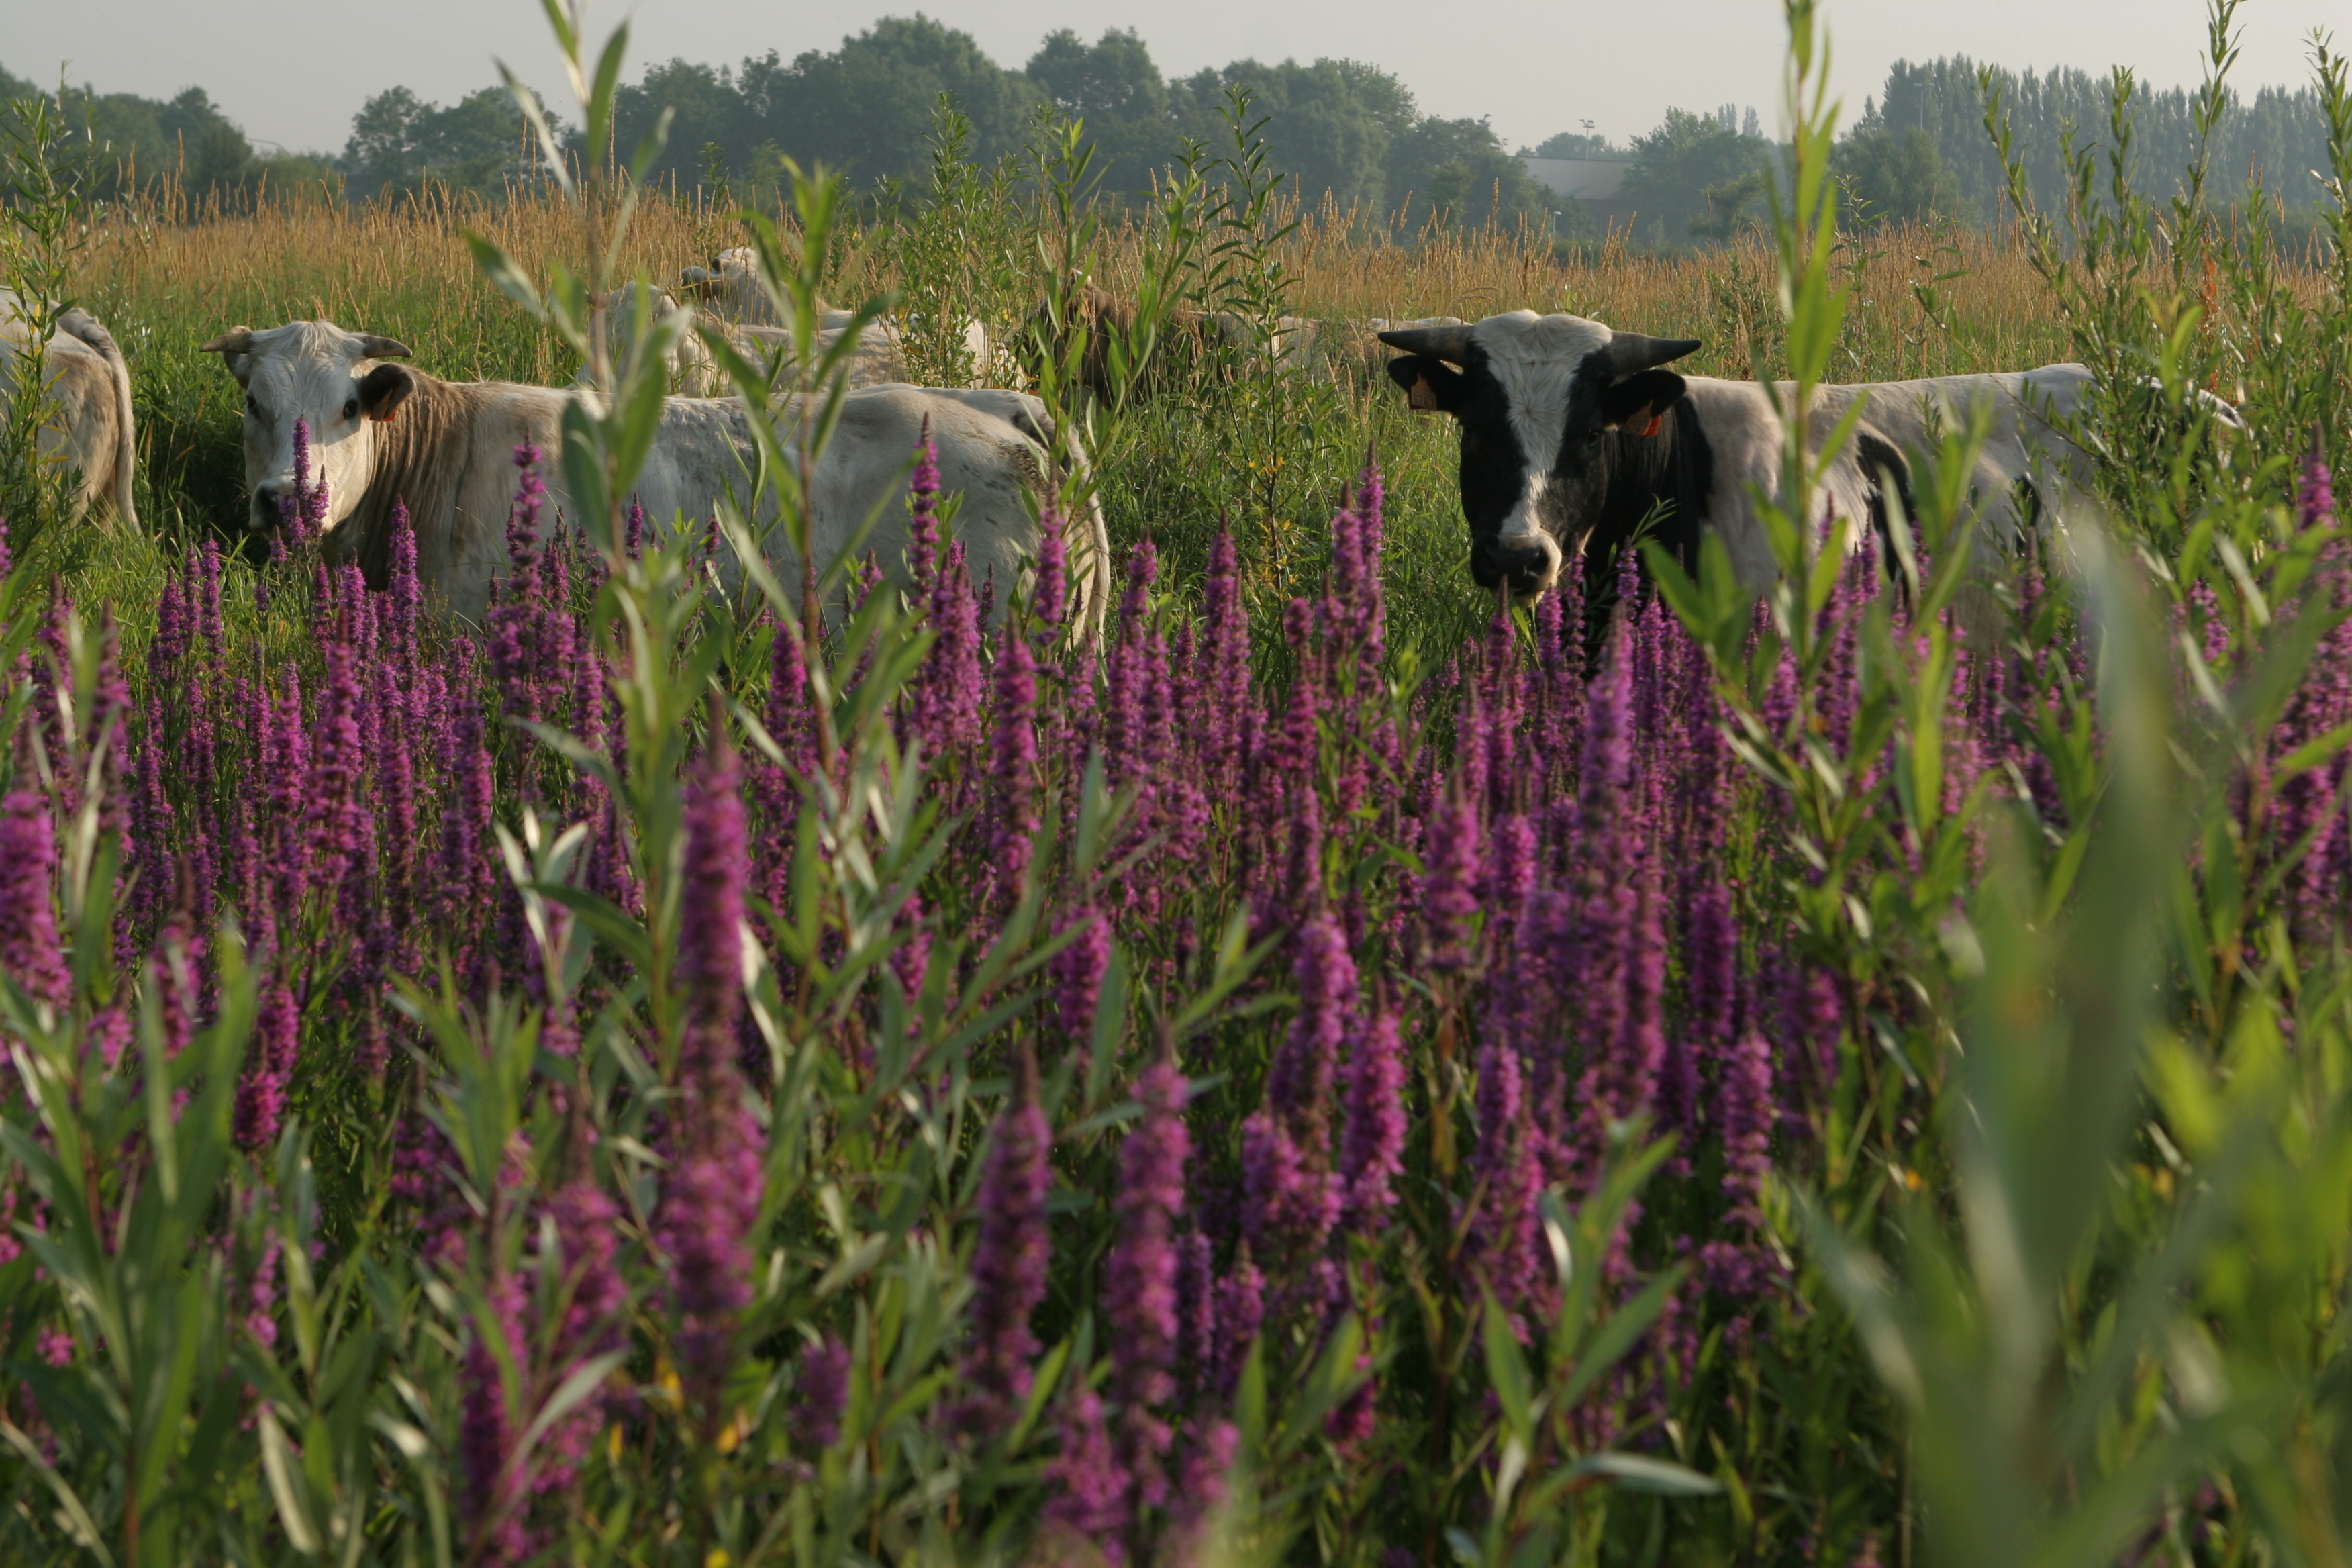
1526,567
266,497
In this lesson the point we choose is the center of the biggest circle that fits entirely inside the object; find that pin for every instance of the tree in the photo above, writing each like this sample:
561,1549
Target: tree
867,107
1899,177
1330,125
1576,145
1458,171
1114,88
1694,174
400,143
707,107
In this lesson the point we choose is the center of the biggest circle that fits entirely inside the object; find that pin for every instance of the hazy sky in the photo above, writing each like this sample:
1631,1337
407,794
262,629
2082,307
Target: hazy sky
292,71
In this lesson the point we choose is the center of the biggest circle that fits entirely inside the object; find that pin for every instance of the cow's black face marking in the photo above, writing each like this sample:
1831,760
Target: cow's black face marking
1559,456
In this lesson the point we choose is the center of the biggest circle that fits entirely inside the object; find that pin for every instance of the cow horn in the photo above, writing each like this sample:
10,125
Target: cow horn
1449,343
235,341
373,347
1631,351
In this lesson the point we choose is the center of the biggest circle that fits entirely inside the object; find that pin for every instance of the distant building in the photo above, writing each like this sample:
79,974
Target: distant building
1586,179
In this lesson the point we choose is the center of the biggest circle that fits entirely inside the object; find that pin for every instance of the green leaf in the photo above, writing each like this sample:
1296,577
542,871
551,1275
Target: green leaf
1640,1473
1507,1368
278,1464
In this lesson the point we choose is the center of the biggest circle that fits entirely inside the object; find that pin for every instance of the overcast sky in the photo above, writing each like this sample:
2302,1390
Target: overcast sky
293,72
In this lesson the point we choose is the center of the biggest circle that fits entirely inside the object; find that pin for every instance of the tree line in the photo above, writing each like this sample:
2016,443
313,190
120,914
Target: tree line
1340,128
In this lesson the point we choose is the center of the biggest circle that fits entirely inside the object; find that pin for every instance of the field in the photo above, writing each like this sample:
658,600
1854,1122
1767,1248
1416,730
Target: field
1333,1072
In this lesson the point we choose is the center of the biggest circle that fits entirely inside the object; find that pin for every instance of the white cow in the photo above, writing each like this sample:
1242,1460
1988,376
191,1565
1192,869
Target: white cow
878,358
1574,436
87,421
382,433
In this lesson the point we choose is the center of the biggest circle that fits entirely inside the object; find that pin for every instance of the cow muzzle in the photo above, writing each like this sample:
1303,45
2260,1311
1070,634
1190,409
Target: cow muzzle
1526,563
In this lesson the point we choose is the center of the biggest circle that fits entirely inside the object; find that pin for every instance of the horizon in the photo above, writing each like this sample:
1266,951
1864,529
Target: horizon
288,104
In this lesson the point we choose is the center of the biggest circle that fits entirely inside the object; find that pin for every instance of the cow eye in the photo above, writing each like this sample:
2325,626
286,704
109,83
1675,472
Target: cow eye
352,409
252,406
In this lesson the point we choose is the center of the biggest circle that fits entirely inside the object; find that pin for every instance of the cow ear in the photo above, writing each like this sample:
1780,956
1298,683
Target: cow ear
383,389
1636,402
1430,383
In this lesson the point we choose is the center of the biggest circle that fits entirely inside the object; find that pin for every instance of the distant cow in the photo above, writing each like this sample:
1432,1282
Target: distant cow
1187,335
87,419
878,358
1572,434
384,433
730,289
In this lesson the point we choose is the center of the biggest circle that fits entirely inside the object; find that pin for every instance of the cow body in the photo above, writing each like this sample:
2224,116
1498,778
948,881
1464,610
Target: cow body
1572,436
86,421
385,433
878,356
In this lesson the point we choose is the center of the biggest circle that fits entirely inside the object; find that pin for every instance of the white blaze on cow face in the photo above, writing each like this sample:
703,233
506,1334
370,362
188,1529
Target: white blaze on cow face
1536,359
312,372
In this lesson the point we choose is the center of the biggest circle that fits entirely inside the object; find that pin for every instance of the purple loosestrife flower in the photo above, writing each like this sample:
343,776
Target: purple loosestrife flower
1008,1261
1241,1310
953,664
286,764
339,818
490,1490
1224,686
712,1197
466,817
1299,1081
397,798
1128,747
1140,1283
923,539
1196,1315
2314,494
30,951
1077,972
1372,1149
1049,597
1012,763
1449,905
1089,1491
1711,979
1745,1117
1210,1446
821,1394
1508,1234
407,591
269,1068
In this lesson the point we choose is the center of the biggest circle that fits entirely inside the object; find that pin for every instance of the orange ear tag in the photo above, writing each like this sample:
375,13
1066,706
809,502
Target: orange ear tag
1652,427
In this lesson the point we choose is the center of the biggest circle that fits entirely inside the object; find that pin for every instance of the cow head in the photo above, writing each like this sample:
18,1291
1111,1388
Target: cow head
316,372
1535,397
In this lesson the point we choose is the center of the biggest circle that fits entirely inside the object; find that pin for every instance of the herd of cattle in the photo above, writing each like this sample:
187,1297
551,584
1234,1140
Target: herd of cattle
1573,437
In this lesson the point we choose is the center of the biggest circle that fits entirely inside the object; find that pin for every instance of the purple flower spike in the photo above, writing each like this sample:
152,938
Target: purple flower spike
1077,972
1372,1151
1013,765
28,922
712,1197
1089,1490
261,1092
1009,1262
1449,902
1139,1285
821,1394
1049,598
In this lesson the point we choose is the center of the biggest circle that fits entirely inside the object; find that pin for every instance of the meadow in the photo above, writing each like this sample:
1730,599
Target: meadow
1335,1071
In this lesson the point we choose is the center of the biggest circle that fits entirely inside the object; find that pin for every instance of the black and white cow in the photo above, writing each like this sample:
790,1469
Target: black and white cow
1572,434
